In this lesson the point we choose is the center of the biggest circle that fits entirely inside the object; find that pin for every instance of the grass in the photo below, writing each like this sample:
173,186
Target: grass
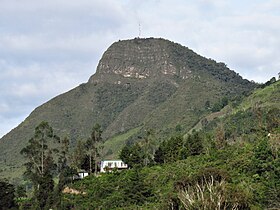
116,143
268,96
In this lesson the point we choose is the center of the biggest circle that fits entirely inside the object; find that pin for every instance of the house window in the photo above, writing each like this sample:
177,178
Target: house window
109,165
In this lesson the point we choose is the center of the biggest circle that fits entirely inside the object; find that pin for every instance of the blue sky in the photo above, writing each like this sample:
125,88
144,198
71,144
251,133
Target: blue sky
48,47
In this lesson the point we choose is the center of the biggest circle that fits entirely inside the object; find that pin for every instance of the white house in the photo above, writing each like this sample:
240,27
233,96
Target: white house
109,165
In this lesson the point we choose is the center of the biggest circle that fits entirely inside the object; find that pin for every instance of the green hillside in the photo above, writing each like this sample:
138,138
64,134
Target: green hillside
139,84
261,100
264,97
237,168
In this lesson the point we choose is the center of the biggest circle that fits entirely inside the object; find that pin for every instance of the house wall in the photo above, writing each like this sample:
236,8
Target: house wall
119,164
82,174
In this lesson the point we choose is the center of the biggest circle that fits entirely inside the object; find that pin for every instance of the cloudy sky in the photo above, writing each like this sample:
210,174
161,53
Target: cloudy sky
50,46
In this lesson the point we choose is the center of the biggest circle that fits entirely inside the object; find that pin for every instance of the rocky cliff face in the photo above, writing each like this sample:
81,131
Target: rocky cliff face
138,84
140,59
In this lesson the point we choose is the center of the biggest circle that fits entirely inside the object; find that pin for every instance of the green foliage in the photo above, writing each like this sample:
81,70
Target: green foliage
244,175
194,144
160,92
135,190
220,104
94,146
170,150
44,163
7,195
111,191
160,154
43,193
176,148
114,145
271,81
41,166
20,191
79,156
132,155
262,157
39,154
273,119
267,97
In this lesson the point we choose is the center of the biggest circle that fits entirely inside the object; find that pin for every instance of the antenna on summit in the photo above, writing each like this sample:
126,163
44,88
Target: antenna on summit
139,30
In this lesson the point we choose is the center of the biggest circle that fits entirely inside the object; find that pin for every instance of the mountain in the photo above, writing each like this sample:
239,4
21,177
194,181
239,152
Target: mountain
139,84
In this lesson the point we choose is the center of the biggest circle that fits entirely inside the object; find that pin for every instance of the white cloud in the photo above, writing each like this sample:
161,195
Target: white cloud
49,47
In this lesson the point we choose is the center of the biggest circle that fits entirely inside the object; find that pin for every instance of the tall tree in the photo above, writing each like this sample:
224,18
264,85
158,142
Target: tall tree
93,146
220,137
78,155
135,189
159,154
171,150
41,166
148,147
64,170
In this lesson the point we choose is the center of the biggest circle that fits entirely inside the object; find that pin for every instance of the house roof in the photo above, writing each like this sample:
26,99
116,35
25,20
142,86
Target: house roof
110,160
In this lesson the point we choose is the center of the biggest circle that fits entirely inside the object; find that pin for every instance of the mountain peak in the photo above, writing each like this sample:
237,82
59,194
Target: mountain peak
140,58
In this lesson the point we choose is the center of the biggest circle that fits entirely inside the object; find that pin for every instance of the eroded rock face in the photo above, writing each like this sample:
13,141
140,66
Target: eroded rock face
140,59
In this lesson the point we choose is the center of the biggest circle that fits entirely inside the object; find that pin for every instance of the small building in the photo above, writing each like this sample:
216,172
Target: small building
109,165
80,175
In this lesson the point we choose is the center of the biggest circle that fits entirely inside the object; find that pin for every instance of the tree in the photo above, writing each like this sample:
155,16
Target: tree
94,147
207,105
87,163
171,150
266,166
273,119
132,155
220,104
263,156
159,155
125,155
220,137
7,195
135,190
41,166
148,147
21,191
78,156
194,144
65,172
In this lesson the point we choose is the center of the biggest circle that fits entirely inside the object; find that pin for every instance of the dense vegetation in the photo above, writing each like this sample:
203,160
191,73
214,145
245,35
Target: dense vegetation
232,162
7,195
240,176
